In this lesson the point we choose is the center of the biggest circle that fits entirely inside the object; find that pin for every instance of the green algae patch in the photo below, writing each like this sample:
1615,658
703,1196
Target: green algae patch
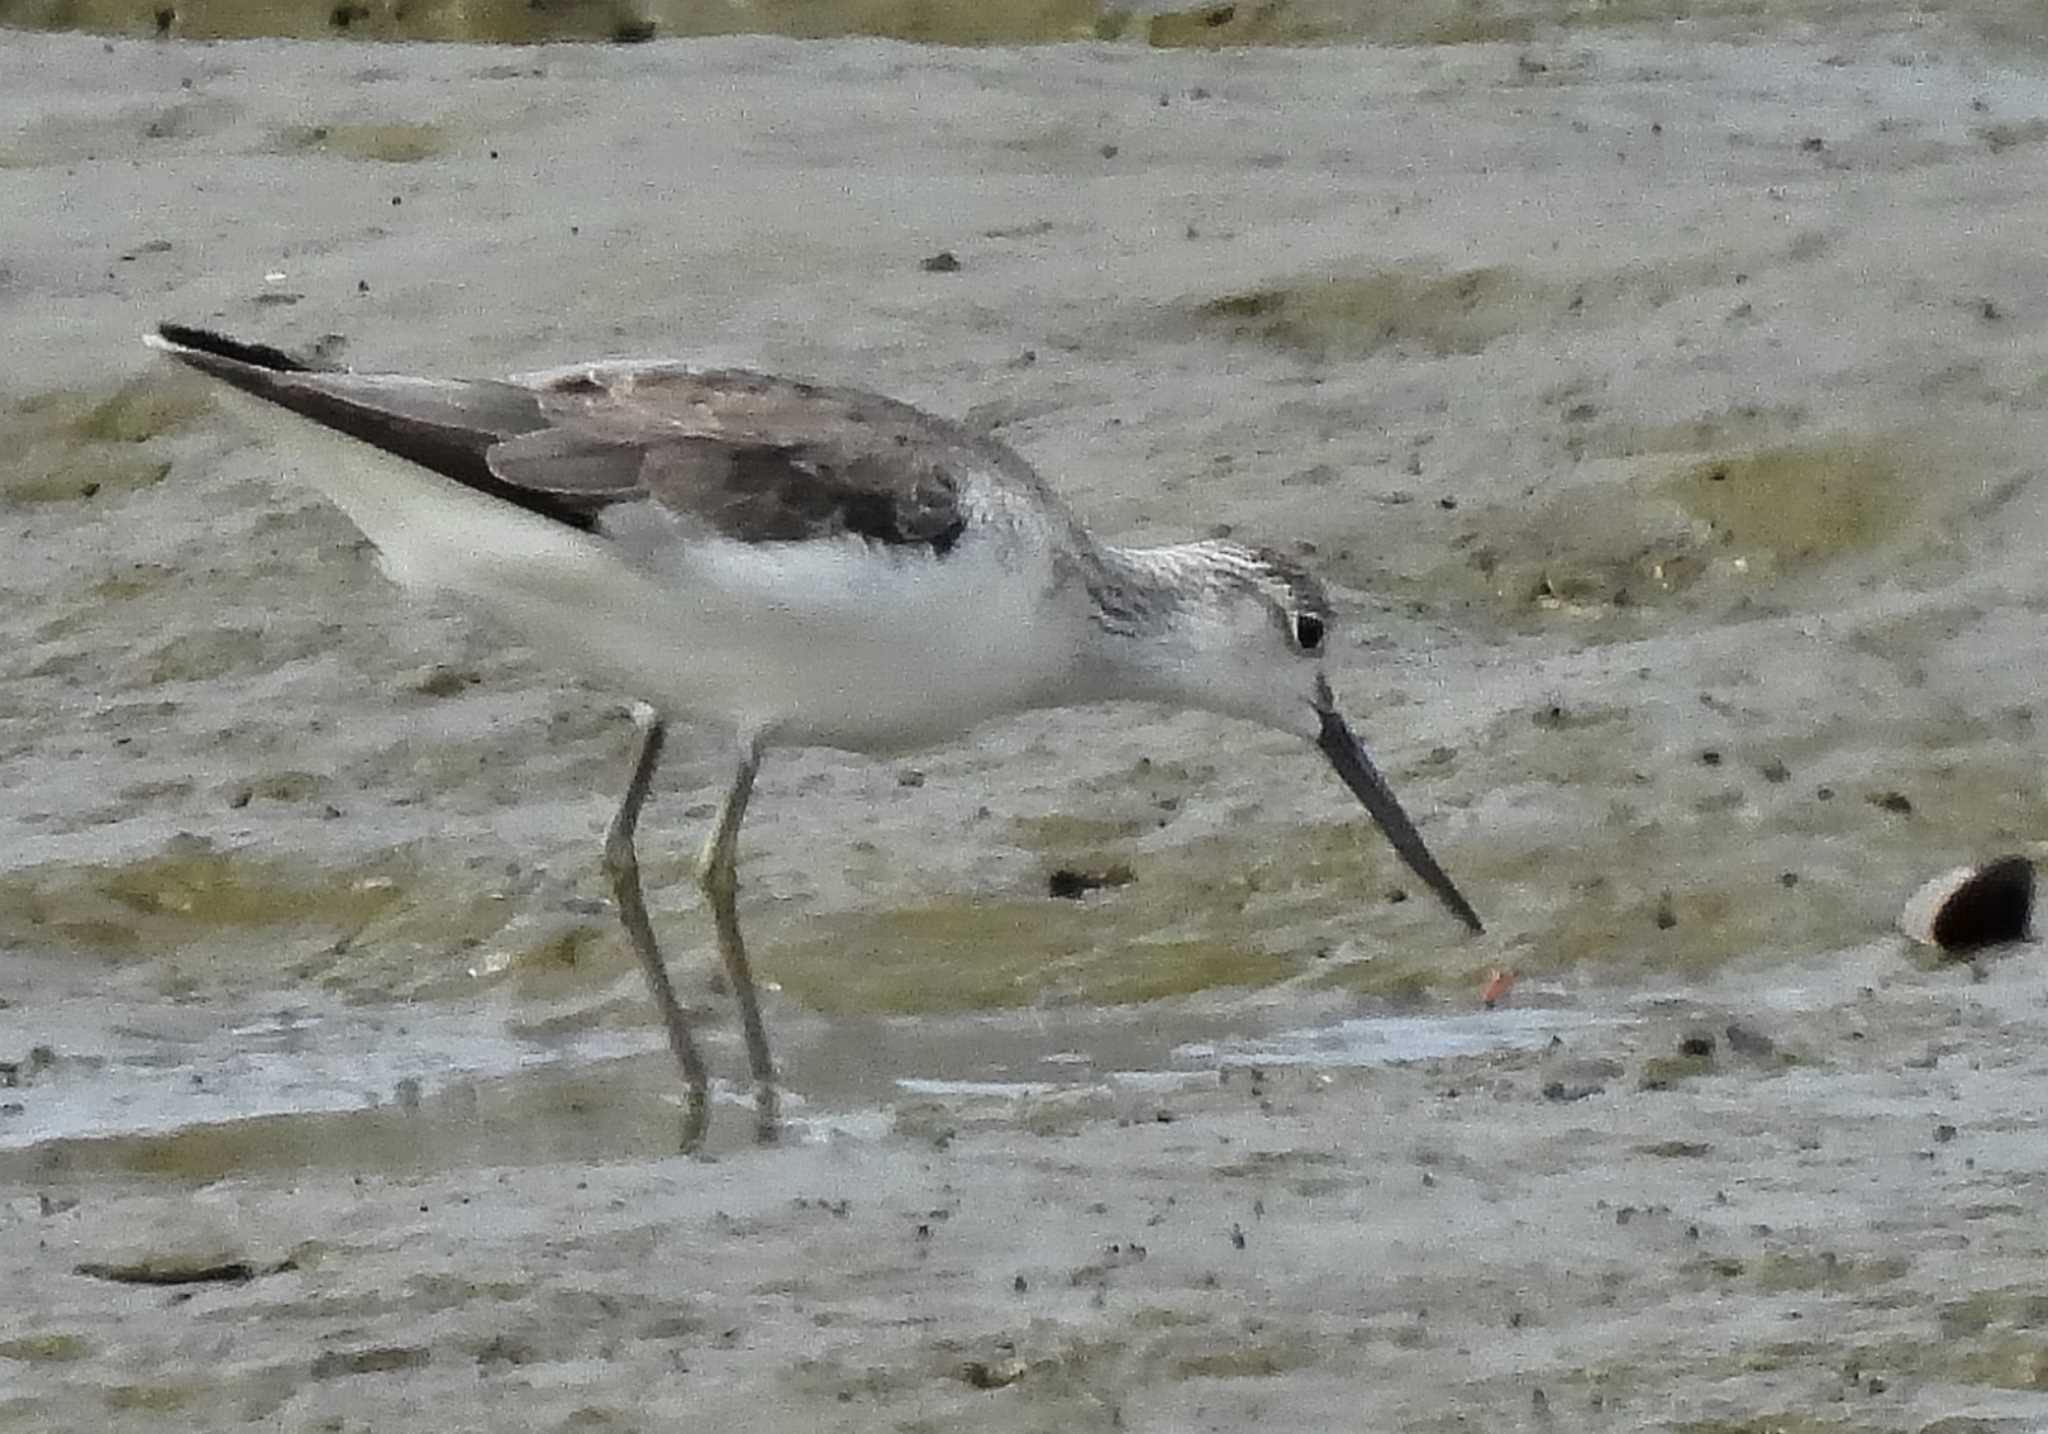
440,938
1472,24
1254,1360
54,1348
370,1359
52,477
1993,1338
1353,316
1272,1165
1692,927
1402,974
1789,1422
1219,24
1729,515
156,1396
2001,1359
379,143
1621,14
72,444
137,580
1631,892
986,955
929,22
191,881
1536,563
1748,426
2006,1362
135,412
1679,868
2018,1307
1783,1271
552,958
1341,315
502,20
60,139
101,597
1064,835
1800,503
180,895
1202,916
1227,24
943,22
1664,1072
1776,1356
207,655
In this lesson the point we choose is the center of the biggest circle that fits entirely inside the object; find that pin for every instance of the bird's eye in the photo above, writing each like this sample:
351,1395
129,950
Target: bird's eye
1308,631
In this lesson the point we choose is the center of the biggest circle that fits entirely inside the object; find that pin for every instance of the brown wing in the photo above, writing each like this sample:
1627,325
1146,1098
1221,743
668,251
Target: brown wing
746,455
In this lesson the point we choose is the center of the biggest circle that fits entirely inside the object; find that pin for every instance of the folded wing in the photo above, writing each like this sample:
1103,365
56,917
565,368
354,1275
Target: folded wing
743,455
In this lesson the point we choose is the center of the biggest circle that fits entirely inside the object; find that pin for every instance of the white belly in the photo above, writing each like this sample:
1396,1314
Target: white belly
837,643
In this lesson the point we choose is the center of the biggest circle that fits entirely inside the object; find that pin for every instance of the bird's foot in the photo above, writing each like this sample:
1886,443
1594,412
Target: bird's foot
696,1119
767,1114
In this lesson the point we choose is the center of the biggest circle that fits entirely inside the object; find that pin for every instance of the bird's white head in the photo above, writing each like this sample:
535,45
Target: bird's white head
1242,631
1219,626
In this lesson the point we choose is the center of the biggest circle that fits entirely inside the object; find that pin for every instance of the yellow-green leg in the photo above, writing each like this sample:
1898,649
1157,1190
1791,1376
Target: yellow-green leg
622,866
718,877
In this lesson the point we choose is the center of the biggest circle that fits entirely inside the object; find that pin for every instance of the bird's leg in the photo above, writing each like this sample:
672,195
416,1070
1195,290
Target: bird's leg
718,877
622,866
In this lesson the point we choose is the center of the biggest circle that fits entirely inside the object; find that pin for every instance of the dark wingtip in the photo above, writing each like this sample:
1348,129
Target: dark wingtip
183,339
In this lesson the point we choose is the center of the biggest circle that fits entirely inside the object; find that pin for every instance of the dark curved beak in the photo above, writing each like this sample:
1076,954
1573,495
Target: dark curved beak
1366,783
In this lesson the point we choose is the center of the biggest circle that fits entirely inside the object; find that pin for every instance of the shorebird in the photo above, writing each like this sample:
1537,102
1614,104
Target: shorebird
797,564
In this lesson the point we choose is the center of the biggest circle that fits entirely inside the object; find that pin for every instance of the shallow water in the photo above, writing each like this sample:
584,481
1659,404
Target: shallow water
314,1080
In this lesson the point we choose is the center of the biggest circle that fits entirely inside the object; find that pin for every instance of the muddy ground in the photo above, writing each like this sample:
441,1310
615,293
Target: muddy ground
1665,399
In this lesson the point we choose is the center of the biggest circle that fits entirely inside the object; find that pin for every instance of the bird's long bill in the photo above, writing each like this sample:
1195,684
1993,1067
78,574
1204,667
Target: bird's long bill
1359,774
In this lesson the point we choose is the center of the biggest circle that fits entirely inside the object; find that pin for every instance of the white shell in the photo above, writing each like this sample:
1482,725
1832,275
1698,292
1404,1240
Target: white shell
1917,919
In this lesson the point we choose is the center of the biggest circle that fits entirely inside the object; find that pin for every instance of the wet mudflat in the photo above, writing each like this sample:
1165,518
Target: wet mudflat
1666,408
